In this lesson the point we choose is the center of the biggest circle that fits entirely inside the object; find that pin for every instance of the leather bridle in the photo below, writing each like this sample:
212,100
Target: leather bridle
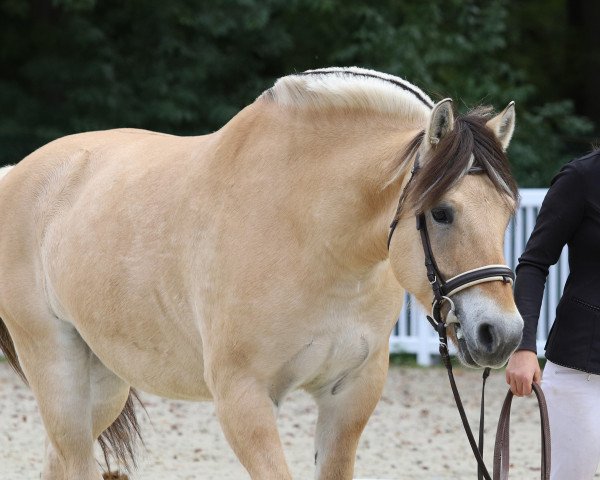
442,292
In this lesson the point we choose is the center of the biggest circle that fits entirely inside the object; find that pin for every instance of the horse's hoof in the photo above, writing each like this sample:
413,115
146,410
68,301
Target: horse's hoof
114,476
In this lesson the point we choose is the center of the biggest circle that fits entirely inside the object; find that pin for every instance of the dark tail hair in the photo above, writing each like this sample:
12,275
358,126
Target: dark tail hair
119,440
8,348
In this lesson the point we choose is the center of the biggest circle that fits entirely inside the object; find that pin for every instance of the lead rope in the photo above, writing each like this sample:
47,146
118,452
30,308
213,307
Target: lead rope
445,356
502,450
501,447
486,374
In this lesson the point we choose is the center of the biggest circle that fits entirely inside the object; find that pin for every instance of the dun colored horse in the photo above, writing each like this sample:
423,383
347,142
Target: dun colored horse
241,265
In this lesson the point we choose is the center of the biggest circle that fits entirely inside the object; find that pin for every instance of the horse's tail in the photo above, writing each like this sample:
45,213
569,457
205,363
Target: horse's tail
119,440
8,348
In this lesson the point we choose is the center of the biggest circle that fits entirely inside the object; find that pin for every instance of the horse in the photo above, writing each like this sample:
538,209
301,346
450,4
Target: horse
243,264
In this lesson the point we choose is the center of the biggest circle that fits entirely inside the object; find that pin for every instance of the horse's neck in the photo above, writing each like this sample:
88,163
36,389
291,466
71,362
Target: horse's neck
340,174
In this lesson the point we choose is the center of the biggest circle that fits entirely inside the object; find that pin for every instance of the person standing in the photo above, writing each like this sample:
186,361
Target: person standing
570,215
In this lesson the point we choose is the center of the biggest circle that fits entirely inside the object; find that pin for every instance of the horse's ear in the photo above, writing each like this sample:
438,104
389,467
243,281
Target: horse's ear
503,125
441,122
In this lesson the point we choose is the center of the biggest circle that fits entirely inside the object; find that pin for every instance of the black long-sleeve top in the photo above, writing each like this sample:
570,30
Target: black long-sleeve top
570,214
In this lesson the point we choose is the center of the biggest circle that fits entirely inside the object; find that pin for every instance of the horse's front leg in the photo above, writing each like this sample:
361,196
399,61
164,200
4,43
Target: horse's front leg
344,409
247,417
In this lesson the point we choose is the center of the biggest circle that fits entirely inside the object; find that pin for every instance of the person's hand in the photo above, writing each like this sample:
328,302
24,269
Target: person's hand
522,370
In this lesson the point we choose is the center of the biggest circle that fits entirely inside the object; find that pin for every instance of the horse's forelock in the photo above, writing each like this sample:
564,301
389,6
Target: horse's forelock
469,144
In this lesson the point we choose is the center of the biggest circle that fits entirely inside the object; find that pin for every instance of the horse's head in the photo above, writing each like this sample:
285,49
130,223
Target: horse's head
464,189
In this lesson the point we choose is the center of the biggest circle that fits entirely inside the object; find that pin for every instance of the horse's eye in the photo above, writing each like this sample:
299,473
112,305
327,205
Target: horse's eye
442,215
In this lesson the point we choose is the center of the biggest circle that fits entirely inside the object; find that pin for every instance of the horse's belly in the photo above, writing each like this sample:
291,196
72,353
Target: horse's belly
169,367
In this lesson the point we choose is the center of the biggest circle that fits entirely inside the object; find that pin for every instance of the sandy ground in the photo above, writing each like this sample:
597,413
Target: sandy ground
415,433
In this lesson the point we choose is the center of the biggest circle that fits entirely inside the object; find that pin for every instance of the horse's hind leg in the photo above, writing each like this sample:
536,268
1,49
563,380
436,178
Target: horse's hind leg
56,362
109,394
344,409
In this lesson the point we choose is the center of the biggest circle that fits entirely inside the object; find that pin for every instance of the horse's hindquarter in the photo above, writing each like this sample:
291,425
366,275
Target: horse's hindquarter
116,250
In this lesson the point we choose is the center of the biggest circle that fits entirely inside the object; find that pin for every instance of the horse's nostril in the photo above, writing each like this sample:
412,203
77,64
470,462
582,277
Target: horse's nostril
486,336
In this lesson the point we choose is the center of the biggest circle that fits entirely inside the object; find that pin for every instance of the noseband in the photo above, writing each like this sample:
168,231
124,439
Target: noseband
442,292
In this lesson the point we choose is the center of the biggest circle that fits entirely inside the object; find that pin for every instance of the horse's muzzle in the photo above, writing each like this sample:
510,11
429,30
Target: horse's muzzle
487,343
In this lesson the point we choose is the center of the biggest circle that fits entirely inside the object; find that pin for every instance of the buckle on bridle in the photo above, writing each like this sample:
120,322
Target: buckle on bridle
450,316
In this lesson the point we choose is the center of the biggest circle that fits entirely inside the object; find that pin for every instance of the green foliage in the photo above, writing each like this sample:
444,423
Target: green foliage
187,67
404,360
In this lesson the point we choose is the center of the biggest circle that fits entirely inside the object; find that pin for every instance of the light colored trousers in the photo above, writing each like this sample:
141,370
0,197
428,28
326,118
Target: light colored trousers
573,399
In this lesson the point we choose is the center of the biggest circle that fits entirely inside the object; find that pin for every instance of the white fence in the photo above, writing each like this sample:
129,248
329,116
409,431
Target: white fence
413,334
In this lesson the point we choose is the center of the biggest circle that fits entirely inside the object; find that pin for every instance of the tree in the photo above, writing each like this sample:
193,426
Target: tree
186,67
